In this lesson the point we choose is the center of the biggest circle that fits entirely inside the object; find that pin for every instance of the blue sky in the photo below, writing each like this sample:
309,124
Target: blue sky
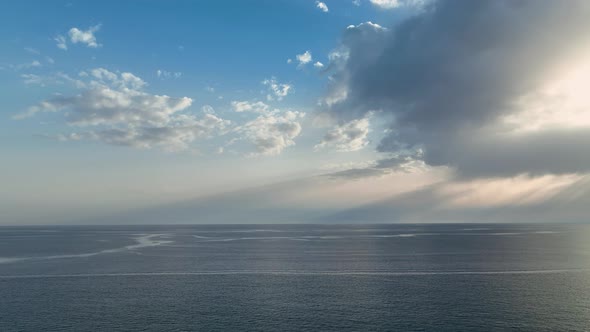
114,108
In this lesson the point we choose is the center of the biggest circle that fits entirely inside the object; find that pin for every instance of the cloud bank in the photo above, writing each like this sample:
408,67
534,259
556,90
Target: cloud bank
452,74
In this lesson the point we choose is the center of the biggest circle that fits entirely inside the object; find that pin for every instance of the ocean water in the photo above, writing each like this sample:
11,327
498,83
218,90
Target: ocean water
295,278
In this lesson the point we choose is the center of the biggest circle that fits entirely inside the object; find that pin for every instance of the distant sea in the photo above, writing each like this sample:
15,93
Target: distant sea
296,278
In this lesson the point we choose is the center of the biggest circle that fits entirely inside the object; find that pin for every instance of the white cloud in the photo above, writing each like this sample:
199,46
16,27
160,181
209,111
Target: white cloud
322,6
84,36
163,74
272,133
121,113
123,80
351,136
277,90
249,106
304,58
61,42
318,65
391,4
386,4
173,137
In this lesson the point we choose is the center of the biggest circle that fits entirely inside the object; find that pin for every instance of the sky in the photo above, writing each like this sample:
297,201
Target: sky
294,111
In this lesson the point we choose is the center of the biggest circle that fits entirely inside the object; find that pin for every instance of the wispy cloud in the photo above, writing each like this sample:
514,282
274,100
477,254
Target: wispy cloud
164,74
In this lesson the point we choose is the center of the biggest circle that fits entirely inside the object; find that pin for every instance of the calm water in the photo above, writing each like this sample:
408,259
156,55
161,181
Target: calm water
296,278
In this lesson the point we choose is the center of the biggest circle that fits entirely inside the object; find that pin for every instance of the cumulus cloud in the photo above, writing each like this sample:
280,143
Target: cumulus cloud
113,108
322,6
272,133
351,136
304,58
452,74
276,90
86,37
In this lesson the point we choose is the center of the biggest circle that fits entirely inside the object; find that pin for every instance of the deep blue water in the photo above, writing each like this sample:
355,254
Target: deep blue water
295,278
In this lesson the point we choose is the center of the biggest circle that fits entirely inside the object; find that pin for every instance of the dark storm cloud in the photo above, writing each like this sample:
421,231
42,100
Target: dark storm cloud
555,151
459,66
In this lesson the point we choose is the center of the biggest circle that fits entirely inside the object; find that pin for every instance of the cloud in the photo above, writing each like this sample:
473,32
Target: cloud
84,36
32,50
522,198
32,79
351,136
28,65
391,4
304,58
277,90
321,6
113,108
451,75
272,133
386,4
250,106
61,42
163,74
58,78
175,136
318,65
401,163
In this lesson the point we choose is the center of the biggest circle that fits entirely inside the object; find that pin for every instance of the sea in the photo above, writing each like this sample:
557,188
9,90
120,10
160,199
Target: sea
410,277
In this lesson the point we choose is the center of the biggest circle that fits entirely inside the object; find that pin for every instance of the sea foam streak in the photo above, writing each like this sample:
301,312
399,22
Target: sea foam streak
141,242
